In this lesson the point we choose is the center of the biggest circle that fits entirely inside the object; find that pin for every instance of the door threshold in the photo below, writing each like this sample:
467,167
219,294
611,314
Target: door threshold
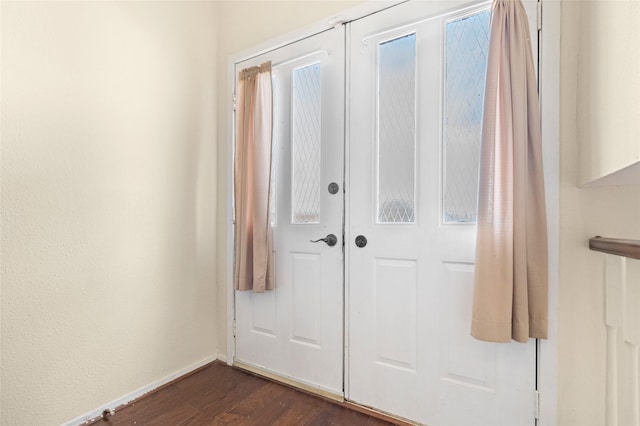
289,382
322,393
378,414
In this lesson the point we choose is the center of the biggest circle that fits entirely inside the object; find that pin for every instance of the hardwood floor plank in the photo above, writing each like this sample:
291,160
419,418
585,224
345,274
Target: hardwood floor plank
236,395
145,408
302,409
174,417
254,407
222,395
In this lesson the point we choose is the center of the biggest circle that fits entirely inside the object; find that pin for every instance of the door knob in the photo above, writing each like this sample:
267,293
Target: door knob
361,241
330,239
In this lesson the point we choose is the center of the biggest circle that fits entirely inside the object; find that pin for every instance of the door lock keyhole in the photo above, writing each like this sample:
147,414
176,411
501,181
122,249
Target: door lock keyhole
361,241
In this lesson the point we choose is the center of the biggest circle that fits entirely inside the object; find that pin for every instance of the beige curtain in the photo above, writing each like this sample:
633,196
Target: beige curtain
253,267
510,290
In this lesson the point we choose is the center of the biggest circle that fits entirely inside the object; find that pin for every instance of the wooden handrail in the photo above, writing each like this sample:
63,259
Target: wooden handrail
617,246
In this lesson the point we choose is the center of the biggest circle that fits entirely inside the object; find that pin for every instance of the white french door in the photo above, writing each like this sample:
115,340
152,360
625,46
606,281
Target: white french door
416,87
405,239
296,330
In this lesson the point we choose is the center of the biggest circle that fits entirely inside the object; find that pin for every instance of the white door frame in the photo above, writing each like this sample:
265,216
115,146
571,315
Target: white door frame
549,68
550,106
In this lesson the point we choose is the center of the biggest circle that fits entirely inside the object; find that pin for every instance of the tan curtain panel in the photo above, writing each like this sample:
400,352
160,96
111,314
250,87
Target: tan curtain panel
253,267
511,277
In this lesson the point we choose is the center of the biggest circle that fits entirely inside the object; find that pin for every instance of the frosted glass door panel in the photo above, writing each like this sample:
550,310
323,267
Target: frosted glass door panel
467,46
306,144
396,130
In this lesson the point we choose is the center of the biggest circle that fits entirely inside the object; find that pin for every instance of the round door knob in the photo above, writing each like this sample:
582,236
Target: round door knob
333,188
361,241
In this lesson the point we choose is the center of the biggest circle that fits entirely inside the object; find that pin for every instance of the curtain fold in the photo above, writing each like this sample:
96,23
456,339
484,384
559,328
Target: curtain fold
511,276
253,264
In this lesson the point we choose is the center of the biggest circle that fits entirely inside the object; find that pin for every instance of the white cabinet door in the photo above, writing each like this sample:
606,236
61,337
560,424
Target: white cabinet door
296,331
416,85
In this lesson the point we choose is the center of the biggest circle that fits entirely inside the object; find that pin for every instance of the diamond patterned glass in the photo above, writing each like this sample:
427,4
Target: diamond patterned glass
306,139
396,130
467,46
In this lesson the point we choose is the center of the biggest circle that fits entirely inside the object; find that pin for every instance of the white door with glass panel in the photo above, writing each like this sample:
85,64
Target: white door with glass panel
414,107
416,88
296,330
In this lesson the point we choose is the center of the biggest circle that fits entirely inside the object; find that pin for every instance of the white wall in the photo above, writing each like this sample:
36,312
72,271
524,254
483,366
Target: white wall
108,201
246,24
585,213
609,88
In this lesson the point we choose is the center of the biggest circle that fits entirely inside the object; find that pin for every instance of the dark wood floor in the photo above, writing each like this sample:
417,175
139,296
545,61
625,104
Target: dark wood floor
221,395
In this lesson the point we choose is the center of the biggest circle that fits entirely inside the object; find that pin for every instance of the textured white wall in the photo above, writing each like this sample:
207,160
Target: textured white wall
609,87
246,24
108,201
585,213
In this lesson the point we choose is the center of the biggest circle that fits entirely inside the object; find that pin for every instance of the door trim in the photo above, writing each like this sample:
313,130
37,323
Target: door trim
549,72
288,381
547,368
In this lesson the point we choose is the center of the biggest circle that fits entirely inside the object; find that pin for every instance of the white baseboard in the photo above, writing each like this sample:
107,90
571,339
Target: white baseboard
85,418
223,357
